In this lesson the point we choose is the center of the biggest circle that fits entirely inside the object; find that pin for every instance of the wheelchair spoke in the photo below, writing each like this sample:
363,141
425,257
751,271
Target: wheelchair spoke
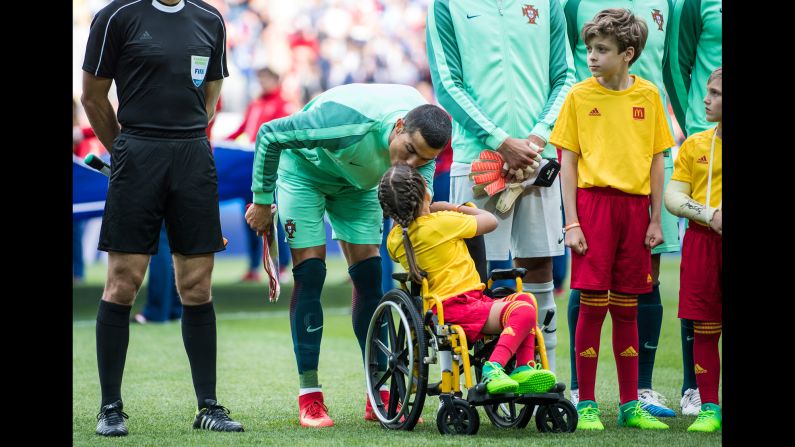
382,380
401,337
400,381
393,399
555,415
382,347
403,369
390,323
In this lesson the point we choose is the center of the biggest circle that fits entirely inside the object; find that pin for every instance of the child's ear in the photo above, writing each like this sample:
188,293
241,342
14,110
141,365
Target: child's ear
629,53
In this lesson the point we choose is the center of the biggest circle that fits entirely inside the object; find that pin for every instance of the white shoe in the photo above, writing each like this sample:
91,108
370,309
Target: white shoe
691,402
575,397
654,403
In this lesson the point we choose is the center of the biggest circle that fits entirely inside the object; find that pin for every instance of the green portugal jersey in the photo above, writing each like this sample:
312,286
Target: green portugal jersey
343,131
695,51
500,67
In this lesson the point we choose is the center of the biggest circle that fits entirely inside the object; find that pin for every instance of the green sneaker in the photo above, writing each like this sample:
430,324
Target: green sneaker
631,414
588,413
497,382
533,379
709,419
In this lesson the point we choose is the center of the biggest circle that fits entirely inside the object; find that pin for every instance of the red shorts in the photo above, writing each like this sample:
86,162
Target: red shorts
701,271
469,310
614,224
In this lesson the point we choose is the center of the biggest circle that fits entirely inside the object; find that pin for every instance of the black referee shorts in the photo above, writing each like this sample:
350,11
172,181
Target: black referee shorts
152,179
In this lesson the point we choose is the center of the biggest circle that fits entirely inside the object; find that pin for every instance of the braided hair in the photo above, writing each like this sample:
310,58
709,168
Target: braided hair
401,194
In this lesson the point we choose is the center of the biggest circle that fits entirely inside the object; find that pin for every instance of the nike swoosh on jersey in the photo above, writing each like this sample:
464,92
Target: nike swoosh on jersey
472,17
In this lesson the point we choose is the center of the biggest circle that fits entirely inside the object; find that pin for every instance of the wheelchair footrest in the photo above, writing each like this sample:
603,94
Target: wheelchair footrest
477,395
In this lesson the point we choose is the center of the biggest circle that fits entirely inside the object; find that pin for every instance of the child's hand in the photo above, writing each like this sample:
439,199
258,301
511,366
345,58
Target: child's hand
654,236
575,240
441,206
717,222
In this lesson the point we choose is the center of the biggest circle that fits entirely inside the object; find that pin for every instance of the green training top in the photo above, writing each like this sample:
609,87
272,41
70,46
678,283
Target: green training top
343,131
500,68
649,66
695,50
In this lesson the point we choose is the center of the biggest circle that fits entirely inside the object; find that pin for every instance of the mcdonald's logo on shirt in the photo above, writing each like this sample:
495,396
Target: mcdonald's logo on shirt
638,113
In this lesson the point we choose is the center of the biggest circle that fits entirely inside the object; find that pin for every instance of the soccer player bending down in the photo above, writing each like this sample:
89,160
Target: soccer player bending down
695,192
613,131
432,236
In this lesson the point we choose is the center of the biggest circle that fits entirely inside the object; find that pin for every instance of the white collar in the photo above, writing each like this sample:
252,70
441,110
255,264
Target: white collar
165,8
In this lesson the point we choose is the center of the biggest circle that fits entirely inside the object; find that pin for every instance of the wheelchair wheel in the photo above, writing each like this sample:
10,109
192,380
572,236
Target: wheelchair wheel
406,375
459,419
559,417
506,415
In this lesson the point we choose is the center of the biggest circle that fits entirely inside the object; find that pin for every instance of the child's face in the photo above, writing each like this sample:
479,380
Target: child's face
603,58
714,100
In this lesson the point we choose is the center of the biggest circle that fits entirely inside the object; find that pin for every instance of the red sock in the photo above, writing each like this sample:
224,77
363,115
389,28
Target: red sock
593,308
517,319
527,348
707,359
624,312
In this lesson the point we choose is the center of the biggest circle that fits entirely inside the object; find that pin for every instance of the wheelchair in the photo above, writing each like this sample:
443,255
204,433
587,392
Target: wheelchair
417,338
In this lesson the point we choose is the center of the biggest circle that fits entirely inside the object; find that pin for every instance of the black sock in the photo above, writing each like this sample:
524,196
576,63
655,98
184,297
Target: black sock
113,336
650,315
306,318
198,335
574,312
366,277
688,365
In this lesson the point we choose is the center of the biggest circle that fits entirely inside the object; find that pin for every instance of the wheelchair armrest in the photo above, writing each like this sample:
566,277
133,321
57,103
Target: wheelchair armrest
401,277
498,274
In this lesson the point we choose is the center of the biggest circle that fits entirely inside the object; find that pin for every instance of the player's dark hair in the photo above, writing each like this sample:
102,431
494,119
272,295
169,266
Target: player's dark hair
401,194
432,122
628,29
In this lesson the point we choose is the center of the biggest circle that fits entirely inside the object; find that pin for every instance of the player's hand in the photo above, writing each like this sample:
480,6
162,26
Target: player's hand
717,222
518,152
259,218
575,239
654,236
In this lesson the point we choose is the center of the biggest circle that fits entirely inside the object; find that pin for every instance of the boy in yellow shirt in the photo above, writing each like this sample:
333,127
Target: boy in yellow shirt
613,130
695,192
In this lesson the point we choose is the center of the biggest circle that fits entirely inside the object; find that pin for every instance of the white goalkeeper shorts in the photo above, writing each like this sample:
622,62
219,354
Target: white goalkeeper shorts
531,229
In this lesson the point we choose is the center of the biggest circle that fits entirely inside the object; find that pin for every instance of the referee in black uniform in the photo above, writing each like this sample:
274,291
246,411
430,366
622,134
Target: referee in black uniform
168,60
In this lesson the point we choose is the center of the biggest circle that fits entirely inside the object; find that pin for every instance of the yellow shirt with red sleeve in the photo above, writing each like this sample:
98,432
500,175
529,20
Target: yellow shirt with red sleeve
615,133
692,167
438,241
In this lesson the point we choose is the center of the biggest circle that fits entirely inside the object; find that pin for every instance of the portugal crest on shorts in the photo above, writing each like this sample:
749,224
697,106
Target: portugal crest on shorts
657,16
289,227
531,13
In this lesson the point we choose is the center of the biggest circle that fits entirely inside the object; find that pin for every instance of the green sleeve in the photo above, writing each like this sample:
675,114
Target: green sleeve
561,71
331,125
427,170
444,60
684,31
570,12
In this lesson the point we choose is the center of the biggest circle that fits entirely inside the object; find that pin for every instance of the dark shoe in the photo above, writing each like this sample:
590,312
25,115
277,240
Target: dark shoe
110,420
215,417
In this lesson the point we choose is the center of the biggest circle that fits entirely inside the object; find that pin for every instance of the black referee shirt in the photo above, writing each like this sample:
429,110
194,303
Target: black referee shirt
160,57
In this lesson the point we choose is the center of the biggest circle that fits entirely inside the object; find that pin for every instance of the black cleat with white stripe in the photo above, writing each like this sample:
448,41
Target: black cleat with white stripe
215,417
110,420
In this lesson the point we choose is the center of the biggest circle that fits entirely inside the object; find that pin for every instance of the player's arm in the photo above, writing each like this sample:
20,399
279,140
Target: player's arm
99,110
444,60
486,222
654,236
212,91
684,32
574,237
331,126
561,73
679,202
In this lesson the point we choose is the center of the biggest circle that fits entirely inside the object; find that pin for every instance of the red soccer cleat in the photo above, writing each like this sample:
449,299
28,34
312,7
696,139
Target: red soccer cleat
369,413
312,412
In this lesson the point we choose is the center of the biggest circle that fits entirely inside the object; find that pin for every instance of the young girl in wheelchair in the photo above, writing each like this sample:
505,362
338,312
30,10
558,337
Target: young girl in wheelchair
432,235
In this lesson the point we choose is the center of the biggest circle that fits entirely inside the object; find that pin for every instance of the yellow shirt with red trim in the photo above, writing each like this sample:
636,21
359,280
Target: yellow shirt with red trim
692,167
615,134
438,241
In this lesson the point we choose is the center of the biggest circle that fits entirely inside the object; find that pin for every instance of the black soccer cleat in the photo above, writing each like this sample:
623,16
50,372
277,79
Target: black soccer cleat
215,417
110,420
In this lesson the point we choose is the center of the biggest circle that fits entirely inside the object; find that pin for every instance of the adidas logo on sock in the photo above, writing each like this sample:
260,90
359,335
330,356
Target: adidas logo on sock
508,331
629,352
590,353
699,369
595,112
